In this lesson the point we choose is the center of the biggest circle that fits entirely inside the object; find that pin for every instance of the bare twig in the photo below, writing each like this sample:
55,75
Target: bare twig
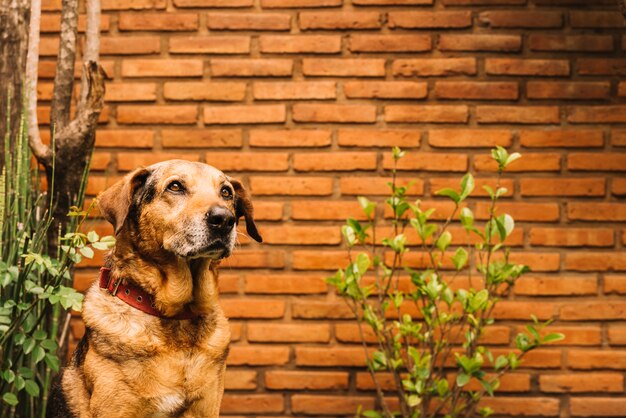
41,151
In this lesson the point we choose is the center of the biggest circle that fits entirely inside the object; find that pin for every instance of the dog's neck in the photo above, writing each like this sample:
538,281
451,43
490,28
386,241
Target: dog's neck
174,282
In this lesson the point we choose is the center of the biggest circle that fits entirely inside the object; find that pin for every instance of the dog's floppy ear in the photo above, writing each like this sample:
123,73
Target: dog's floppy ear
243,207
115,201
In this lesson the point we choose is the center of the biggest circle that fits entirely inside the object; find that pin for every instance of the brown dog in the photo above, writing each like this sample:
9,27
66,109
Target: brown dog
156,338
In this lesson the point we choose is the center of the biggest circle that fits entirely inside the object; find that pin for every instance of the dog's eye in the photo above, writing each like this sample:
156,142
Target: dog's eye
226,193
175,186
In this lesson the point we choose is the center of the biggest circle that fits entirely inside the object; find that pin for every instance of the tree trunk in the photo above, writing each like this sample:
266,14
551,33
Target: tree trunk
14,17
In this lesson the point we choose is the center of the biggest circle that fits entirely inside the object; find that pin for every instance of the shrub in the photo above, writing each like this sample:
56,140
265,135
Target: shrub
427,329
35,288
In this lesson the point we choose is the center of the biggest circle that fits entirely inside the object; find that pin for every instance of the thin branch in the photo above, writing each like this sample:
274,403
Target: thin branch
64,77
92,46
39,149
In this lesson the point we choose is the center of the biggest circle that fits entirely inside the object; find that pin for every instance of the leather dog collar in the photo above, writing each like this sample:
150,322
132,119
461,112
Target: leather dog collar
136,297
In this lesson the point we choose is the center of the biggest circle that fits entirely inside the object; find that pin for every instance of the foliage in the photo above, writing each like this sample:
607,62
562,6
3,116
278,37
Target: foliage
35,288
427,328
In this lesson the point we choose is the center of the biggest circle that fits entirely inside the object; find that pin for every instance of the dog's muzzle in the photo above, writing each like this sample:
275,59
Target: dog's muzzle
220,220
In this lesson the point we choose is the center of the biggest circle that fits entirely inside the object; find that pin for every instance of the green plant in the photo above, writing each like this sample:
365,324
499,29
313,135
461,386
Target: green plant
35,288
427,328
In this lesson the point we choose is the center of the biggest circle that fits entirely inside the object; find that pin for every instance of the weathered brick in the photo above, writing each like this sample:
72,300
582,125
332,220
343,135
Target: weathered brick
431,67
596,407
618,138
389,43
324,210
316,260
571,138
428,162
530,162
426,113
596,211
430,20
596,261
316,310
483,2
518,114
285,44
601,66
377,186
125,138
295,90
157,21
248,21
336,161
563,90
255,259
290,4
535,406
251,67
252,308
343,67
252,403
597,359
476,90
391,2
530,67
134,5
437,183
289,138
290,284
176,115
244,161
572,237
334,113
596,162
405,138
302,235
597,114
130,45
595,19
521,211
329,404
130,92
205,91
288,333
291,186
309,380
573,43
385,90
214,3
617,335
325,357
227,115
563,187
209,45
127,161
161,68
343,20
51,23
201,138
255,355
502,43
469,138
521,19
556,286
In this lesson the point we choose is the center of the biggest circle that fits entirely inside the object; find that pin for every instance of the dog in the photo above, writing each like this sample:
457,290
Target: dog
156,339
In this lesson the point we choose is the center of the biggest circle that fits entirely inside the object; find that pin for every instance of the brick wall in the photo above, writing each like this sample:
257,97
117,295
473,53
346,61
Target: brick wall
302,99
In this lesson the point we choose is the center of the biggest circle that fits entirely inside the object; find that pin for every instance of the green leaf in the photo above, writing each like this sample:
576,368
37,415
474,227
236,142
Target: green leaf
442,387
553,337
32,388
367,206
501,361
452,194
349,234
39,334
10,398
512,157
460,258
52,361
462,379
93,236
38,354
444,241
479,301
397,153
414,400
362,263
467,186
467,218
28,346
372,414
87,252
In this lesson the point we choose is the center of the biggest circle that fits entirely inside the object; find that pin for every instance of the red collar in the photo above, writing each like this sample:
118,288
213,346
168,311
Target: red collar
137,297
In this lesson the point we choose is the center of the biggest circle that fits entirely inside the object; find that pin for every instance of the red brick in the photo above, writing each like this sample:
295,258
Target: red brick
205,91
295,90
377,186
597,407
335,161
228,115
302,235
617,335
595,262
316,310
240,379
291,186
430,20
537,261
248,21
391,2
601,66
426,113
213,3
130,92
270,211
578,335
209,45
545,407
596,359
253,308
597,211
201,138
309,380
127,161
157,21
615,284
286,44
518,19
334,113
255,259
251,67
51,23
289,4
390,43
491,42
571,138
518,114
563,187
251,403
469,138
288,333
595,19
596,162
573,43
405,138
284,284
621,89
445,182
343,67
130,45
606,310
562,90
483,2
316,260
229,283
434,67
134,5
161,68
329,404
245,161
428,162
333,356
530,67
177,115
529,162
556,286
523,310
618,138
572,237
125,138
597,114
289,138
520,211
385,90
476,90
325,210
340,20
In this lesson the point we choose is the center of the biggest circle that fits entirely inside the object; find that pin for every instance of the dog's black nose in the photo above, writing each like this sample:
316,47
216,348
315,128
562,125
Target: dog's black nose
221,218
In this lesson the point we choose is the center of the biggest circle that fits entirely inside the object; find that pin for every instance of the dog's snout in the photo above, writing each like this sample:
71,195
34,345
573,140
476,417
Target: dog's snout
220,217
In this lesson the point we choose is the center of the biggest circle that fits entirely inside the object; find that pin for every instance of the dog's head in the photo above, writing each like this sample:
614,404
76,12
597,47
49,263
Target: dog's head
185,208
